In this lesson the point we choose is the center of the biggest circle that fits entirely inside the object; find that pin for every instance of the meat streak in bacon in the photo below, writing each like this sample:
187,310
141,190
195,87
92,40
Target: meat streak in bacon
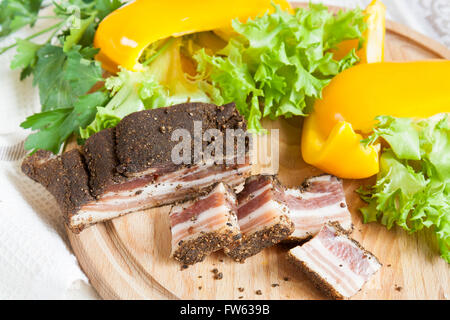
320,199
263,217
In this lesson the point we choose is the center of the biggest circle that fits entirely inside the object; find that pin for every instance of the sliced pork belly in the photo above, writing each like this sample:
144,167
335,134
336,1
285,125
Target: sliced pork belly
320,199
263,217
204,225
130,168
153,191
337,264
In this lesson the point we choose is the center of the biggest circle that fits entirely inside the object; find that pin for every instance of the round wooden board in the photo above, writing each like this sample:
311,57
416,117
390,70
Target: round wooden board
128,257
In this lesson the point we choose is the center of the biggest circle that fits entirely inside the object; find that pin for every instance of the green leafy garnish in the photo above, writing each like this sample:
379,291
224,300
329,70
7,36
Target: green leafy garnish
26,57
279,64
63,67
276,66
162,84
63,77
280,61
413,185
55,126
15,14
75,34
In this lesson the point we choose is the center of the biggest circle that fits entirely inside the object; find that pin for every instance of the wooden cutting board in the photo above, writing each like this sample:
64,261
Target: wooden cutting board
128,258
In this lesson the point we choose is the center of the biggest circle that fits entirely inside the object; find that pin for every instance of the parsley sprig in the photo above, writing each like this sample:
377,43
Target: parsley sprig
63,66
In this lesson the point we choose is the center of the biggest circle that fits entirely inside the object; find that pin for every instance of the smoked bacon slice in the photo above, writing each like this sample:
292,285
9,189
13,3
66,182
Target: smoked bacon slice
263,217
204,225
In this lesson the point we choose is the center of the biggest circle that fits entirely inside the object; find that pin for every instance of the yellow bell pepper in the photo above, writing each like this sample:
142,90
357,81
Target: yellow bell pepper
125,33
332,133
373,47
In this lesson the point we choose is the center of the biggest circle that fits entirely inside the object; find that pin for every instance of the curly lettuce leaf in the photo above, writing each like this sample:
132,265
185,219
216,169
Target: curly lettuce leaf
413,185
125,99
280,61
401,135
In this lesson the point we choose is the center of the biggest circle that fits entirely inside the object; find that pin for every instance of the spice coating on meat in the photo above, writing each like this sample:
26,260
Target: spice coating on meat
205,225
151,130
64,176
101,160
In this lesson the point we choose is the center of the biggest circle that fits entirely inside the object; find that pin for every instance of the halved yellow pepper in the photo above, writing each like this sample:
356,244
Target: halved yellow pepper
373,47
125,33
332,133
341,153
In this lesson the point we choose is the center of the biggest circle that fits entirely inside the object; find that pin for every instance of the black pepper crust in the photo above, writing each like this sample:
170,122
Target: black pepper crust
33,164
196,250
64,176
251,244
100,154
144,138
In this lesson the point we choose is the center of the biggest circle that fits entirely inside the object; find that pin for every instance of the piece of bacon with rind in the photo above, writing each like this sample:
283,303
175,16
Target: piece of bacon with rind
338,265
263,217
129,168
204,225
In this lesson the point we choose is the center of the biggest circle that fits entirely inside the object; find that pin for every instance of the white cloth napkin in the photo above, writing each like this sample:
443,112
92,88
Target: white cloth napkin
36,261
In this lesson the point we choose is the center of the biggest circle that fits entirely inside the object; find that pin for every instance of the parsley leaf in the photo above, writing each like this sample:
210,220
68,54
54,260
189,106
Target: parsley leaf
55,126
63,67
48,123
63,77
105,7
82,73
77,33
15,14
54,90
26,54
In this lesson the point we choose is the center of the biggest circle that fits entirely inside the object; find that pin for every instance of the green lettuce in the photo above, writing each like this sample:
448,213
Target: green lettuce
413,185
280,61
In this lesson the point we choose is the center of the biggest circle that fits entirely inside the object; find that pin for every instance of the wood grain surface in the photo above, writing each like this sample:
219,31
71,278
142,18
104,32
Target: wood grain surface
128,257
